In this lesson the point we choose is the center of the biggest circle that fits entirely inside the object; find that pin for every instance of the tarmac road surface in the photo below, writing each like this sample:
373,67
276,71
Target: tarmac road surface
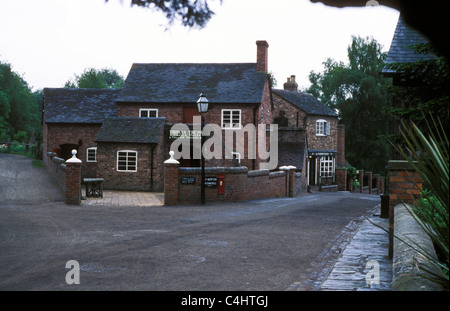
260,245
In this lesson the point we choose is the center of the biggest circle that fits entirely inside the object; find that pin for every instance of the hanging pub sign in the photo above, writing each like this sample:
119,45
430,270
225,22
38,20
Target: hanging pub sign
322,153
185,134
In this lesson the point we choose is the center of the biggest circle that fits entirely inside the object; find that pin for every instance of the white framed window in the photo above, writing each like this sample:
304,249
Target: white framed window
236,156
322,127
91,154
127,161
231,119
326,166
148,113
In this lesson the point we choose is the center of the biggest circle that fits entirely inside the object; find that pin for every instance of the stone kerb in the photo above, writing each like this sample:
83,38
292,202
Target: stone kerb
406,276
73,180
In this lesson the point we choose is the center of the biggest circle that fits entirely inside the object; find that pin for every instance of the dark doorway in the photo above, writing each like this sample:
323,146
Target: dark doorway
66,150
190,162
312,170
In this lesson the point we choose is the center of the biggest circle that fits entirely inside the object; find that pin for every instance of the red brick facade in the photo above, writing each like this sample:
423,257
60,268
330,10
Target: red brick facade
59,134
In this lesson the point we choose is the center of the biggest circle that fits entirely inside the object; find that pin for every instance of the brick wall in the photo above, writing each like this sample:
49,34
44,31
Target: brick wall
405,185
239,183
67,175
295,116
136,181
58,134
57,169
328,142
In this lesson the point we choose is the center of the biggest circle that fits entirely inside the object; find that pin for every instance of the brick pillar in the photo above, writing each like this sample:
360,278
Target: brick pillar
350,183
369,181
171,180
404,186
73,180
377,182
361,180
341,179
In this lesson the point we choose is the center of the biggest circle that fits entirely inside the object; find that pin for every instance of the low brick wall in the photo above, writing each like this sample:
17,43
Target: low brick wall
183,185
57,168
67,175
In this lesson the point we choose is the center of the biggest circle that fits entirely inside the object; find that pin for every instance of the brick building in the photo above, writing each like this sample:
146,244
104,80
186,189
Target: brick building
310,137
125,135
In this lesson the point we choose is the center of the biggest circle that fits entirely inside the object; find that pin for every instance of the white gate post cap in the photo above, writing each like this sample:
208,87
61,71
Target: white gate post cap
73,159
171,160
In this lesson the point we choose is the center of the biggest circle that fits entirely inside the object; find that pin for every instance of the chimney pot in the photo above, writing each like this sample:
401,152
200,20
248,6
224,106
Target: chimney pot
291,85
262,57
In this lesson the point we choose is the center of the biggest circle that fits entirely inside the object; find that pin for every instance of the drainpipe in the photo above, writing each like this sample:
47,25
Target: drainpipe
151,168
255,122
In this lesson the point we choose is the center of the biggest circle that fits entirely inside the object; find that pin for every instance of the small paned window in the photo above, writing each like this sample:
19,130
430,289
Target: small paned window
126,161
231,118
326,166
322,128
148,113
91,154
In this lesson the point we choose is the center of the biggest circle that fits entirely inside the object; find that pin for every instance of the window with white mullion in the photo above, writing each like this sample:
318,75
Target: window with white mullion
231,118
91,154
148,113
126,161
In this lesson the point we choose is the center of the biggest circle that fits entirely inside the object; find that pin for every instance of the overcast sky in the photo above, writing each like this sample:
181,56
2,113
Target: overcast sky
48,41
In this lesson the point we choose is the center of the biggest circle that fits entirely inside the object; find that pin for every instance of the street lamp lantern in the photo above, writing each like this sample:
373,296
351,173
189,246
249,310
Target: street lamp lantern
202,104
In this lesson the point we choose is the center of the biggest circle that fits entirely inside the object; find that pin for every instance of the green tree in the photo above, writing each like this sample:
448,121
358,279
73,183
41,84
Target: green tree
19,111
94,78
356,91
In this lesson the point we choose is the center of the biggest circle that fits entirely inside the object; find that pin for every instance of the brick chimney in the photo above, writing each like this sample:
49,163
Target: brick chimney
291,85
262,57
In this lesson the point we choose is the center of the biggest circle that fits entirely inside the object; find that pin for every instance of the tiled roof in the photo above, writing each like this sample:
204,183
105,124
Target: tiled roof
63,105
400,50
131,130
305,102
183,83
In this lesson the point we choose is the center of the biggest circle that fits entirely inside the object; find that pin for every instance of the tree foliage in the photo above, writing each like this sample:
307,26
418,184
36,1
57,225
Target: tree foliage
422,87
192,13
97,79
355,90
20,108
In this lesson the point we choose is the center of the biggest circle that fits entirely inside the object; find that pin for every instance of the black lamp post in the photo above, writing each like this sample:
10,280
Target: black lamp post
202,104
